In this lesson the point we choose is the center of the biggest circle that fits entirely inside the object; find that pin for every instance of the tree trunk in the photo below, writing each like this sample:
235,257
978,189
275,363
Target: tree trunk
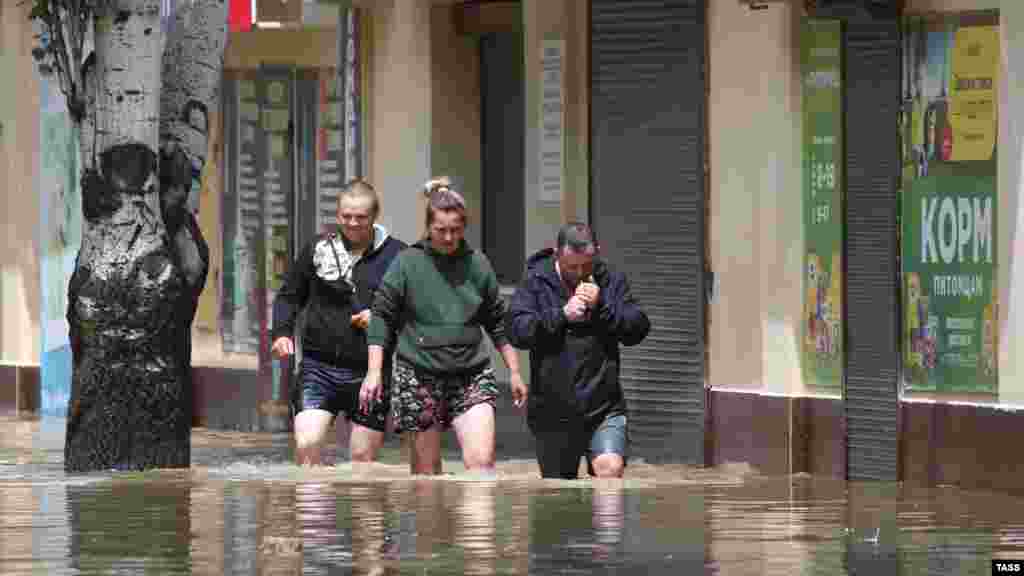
143,260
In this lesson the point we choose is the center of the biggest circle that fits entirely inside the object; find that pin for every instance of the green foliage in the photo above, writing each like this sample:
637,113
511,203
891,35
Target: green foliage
63,25
41,9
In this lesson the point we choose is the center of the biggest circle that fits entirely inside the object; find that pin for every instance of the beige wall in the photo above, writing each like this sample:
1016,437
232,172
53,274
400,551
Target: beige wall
19,208
305,48
565,19
455,112
755,229
1011,214
921,6
399,110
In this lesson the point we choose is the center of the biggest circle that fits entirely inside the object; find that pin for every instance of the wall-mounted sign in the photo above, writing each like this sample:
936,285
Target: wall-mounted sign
950,204
552,134
821,72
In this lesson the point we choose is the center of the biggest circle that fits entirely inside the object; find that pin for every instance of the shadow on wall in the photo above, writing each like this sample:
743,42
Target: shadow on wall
1009,222
3,305
19,287
30,287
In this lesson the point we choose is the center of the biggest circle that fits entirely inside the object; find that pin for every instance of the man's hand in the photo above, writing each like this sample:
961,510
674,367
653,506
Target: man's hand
575,309
283,347
361,320
519,390
371,391
589,292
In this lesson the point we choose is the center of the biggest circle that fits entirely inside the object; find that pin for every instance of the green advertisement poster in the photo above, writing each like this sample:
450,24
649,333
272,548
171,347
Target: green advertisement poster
949,204
822,333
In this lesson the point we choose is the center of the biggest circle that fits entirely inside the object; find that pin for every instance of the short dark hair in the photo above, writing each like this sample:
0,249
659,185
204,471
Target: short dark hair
577,236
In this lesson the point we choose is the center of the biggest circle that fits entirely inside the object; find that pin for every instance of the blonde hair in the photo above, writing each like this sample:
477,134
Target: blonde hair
441,196
359,188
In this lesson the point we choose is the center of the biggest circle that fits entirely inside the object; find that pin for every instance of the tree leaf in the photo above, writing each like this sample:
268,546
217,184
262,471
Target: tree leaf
40,10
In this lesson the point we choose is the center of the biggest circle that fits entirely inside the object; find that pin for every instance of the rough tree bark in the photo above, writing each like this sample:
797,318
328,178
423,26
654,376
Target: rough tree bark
141,102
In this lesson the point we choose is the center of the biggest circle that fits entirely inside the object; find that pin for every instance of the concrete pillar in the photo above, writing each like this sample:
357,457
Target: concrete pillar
19,201
553,19
399,111
1010,227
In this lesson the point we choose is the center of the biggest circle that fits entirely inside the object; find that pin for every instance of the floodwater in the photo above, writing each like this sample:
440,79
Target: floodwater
244,509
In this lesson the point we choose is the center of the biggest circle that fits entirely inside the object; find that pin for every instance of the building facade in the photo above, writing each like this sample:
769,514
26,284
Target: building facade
679,131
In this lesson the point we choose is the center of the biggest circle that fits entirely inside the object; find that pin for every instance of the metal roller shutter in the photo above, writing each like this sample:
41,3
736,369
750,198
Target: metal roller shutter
648,206
872,310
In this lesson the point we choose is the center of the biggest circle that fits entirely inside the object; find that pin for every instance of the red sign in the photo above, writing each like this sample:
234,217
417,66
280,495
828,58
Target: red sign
240,15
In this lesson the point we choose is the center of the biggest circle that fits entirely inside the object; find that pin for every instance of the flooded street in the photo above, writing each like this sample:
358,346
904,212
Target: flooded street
244,509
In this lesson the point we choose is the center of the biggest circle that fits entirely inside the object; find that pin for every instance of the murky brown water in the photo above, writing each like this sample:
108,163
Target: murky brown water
244,509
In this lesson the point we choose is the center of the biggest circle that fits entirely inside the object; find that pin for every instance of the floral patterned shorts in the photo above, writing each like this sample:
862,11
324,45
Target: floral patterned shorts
420,400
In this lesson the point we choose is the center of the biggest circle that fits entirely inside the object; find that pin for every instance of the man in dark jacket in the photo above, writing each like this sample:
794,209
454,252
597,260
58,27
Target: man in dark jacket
335,278
572,312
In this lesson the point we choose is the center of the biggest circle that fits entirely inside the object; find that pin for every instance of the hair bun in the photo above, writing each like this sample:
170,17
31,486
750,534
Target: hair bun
436,183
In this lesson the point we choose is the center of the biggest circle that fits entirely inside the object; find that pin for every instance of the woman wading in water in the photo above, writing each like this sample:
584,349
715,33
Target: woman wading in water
436,299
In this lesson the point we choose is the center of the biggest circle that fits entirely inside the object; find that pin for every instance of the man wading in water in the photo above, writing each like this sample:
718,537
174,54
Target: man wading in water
336,276
571,312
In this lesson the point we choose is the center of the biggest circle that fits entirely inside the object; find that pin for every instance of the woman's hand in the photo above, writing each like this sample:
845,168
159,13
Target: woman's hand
283,347
371,391
520,391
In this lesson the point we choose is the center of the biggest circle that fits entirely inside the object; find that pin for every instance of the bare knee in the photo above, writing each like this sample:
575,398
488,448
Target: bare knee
307,444
364,443
308,453
475,429
361,454
310,430
479,458
609,466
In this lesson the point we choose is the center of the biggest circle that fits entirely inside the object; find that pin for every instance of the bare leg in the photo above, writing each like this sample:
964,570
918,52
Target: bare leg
609,465
426,452
364,443
475,430
311,427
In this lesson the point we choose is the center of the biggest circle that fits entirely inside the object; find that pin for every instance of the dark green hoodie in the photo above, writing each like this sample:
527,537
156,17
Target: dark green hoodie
438,304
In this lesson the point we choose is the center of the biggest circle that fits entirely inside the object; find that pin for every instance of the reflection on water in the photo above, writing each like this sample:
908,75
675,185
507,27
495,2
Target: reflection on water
244,509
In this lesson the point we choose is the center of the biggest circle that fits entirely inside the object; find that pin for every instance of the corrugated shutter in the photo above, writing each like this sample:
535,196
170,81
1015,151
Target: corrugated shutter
872,310
647,204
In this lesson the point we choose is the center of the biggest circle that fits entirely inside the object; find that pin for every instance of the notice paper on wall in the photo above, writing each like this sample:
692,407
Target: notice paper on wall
552,135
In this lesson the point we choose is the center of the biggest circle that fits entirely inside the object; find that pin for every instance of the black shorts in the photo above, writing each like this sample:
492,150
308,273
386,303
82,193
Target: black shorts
559,448
335,389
